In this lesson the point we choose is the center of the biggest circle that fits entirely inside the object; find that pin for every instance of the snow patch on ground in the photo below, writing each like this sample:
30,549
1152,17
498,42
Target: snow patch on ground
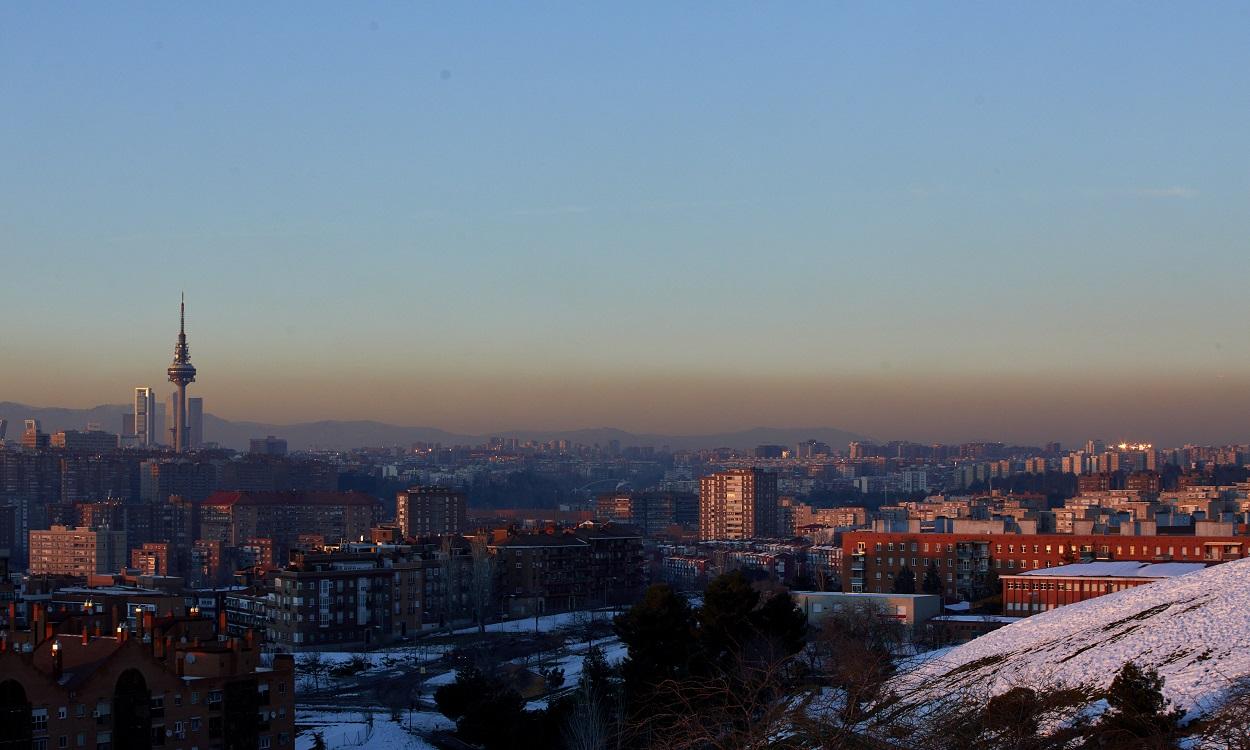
1193,629
349,729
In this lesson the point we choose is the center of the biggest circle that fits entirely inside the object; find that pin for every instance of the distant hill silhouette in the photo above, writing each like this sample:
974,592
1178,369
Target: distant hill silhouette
335,434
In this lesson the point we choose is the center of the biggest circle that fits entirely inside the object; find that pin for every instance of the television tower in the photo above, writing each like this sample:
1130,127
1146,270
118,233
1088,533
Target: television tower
181,373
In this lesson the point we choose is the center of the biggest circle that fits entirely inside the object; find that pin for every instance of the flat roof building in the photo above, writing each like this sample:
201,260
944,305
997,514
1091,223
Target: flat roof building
1047,588
74,551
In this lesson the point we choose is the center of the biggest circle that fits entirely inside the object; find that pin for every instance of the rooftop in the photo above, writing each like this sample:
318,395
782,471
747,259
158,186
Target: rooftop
1120,569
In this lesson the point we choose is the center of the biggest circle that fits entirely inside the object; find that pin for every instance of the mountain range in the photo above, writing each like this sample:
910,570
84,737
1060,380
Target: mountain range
341,435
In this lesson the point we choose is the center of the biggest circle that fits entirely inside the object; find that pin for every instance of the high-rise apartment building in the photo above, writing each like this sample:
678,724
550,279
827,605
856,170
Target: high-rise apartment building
145,416
74,551
738,504
430,511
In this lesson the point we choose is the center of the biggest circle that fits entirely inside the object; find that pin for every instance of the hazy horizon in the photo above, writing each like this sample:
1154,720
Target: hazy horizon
927,222
952,409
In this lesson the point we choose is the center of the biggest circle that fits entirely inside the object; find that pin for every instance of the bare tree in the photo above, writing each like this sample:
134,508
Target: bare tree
482,583
752,704
313,665
1227,723
587,727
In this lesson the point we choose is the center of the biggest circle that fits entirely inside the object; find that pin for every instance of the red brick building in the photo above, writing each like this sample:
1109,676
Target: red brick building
872,559
169,684
1041,590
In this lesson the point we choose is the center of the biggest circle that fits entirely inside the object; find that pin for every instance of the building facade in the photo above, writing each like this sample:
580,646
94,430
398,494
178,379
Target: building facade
738,504
1047,588
430,511
167,683
74,551
232,518
963,561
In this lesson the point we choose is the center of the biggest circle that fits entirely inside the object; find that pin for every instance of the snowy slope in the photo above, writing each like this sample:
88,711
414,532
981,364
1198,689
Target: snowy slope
1194,629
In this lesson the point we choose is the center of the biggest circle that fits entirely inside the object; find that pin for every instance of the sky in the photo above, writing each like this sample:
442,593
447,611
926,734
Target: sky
932,221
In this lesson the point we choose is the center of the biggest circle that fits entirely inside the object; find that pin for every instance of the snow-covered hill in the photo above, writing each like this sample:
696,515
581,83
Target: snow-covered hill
1194,629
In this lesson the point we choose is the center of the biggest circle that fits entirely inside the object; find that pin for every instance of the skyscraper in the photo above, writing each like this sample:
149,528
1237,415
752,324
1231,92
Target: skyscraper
738,504
181,373
145,416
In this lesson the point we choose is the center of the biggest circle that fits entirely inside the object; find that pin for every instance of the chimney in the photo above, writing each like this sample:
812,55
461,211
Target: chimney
221,624
251,639
86,634
181,664
36,625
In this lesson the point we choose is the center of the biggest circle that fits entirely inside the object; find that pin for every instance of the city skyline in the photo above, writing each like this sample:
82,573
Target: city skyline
779,216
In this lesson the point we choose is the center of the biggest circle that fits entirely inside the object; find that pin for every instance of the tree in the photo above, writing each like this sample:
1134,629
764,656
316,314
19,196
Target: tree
905,581
318,741
482,581
659,633
1228,724
713,677
313,665
596,673
1138,716
587,727
781,624
486,711
724,619
932,583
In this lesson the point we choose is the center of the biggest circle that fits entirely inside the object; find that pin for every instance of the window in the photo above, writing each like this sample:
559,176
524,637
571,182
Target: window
62,712
39,719
195,723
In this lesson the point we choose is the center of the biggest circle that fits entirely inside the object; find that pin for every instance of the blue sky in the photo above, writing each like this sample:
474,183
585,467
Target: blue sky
432,213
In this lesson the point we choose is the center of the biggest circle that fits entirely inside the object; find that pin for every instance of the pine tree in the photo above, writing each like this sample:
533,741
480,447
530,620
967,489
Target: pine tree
905,581
659,633
1138,715
596,673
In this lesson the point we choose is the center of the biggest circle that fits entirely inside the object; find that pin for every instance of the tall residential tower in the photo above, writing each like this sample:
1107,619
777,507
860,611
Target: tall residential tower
738,504
181,373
